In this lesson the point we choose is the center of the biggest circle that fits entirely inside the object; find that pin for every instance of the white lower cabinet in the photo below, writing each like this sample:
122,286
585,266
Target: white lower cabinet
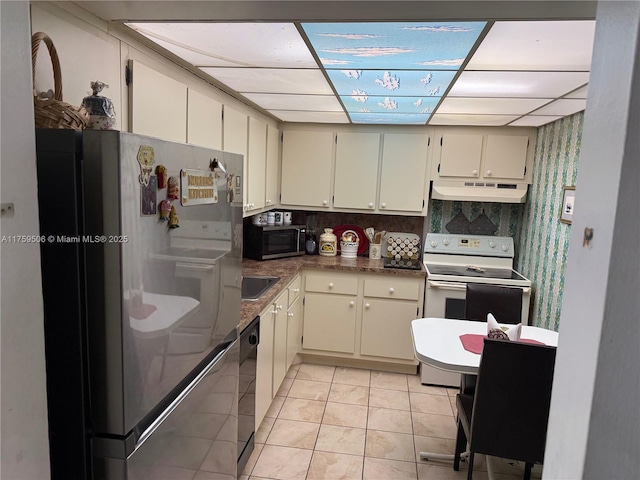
294,322
363,316
273,349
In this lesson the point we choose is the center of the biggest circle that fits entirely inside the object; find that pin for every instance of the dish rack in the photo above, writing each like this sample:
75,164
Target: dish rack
401,246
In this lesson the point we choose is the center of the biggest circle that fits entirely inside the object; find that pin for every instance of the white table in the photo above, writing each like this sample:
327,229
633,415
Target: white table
436,342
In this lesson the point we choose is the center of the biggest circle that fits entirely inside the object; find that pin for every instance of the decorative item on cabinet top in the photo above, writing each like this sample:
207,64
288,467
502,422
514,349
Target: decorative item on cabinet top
339,230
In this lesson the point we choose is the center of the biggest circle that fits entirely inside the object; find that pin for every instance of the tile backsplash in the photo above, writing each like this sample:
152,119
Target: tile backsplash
390,223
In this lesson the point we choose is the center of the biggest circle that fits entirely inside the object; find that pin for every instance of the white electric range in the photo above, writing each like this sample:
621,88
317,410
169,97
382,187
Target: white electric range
452,261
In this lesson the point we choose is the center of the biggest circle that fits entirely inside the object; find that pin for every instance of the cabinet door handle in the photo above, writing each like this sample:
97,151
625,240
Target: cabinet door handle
324,202
367,305
474,173
352,303
488,173
391,290
383,205
290,315
370,204
331,285
279,307
296,290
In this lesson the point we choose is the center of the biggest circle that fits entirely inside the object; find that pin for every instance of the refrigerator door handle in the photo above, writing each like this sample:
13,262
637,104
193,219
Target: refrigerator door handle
163,416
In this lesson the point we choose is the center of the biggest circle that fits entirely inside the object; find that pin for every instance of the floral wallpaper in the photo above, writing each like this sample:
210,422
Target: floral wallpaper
543,241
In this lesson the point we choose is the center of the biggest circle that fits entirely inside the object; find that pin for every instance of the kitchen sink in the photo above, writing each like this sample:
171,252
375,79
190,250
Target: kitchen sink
254,287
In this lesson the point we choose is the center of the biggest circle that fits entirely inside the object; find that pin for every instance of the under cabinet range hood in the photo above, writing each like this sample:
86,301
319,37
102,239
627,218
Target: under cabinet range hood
464,191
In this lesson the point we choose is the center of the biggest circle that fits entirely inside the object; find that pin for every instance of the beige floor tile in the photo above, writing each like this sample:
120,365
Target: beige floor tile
388,380
352,394
445,446
274,408
431,425
426,403
282,463
293,371
382,469
309,389
345,415
264,429
290,433
200,475
394,399
352,376
335,466
432,471
341,440
285,386
253,458
241,477
390,445
317,373
302,409
416,386
452,392
389,420
454,408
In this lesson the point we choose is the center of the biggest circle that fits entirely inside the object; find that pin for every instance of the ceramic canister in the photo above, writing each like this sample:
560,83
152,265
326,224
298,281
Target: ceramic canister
328,243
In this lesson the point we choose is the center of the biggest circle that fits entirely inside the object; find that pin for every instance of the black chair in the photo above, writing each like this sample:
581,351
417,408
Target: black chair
508,415
505,303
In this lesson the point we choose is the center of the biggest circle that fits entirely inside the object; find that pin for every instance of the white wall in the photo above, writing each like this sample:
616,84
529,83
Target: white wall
25,448
594,427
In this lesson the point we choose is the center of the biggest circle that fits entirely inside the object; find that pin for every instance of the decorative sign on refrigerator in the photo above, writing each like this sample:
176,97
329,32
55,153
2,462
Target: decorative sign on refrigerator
198,187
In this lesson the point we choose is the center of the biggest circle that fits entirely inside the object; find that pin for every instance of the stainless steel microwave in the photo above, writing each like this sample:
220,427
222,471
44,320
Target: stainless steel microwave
269,242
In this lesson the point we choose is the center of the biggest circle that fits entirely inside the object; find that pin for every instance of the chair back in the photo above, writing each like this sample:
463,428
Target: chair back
512,398
505,303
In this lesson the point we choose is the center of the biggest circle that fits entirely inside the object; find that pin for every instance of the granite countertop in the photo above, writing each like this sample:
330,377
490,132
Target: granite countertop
288,268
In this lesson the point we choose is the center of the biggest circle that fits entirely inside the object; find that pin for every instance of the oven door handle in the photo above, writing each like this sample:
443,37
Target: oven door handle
446,285
461,286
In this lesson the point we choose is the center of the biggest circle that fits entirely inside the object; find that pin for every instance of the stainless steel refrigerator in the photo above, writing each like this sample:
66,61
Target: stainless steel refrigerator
141,267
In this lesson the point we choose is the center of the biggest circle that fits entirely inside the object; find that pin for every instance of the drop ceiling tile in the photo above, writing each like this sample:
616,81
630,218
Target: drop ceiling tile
272,80
536,45
390,104
397,45
281,101
232,44
486,120
310,117
579,93
517,84
390,82
534,120
513,106
562,107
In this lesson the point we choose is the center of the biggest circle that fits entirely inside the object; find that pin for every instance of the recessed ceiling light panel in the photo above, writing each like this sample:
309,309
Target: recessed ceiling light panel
389,118
563,106
272,80
310,117
272,101
535,120
480,120
493,106
391,60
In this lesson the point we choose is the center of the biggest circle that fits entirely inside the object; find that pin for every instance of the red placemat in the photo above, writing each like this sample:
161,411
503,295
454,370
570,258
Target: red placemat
143,311
473,342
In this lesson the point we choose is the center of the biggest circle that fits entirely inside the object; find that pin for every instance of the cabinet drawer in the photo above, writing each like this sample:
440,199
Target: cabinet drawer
294,290
400,288
338,283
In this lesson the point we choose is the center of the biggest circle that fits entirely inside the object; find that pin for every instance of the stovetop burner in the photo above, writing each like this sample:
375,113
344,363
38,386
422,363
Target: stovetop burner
406,264
471,271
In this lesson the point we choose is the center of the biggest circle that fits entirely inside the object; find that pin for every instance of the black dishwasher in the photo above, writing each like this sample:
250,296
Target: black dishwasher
249,339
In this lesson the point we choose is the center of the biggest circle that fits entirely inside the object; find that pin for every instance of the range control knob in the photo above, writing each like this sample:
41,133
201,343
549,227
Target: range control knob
445,241
504,247
434,244
492,244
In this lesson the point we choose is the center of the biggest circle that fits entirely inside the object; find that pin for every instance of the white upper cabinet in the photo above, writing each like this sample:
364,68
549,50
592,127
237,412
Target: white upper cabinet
256,164
404,167
460,155
204,120
307,158
273,161
158,104
234,140
483,154
506,156
356,177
